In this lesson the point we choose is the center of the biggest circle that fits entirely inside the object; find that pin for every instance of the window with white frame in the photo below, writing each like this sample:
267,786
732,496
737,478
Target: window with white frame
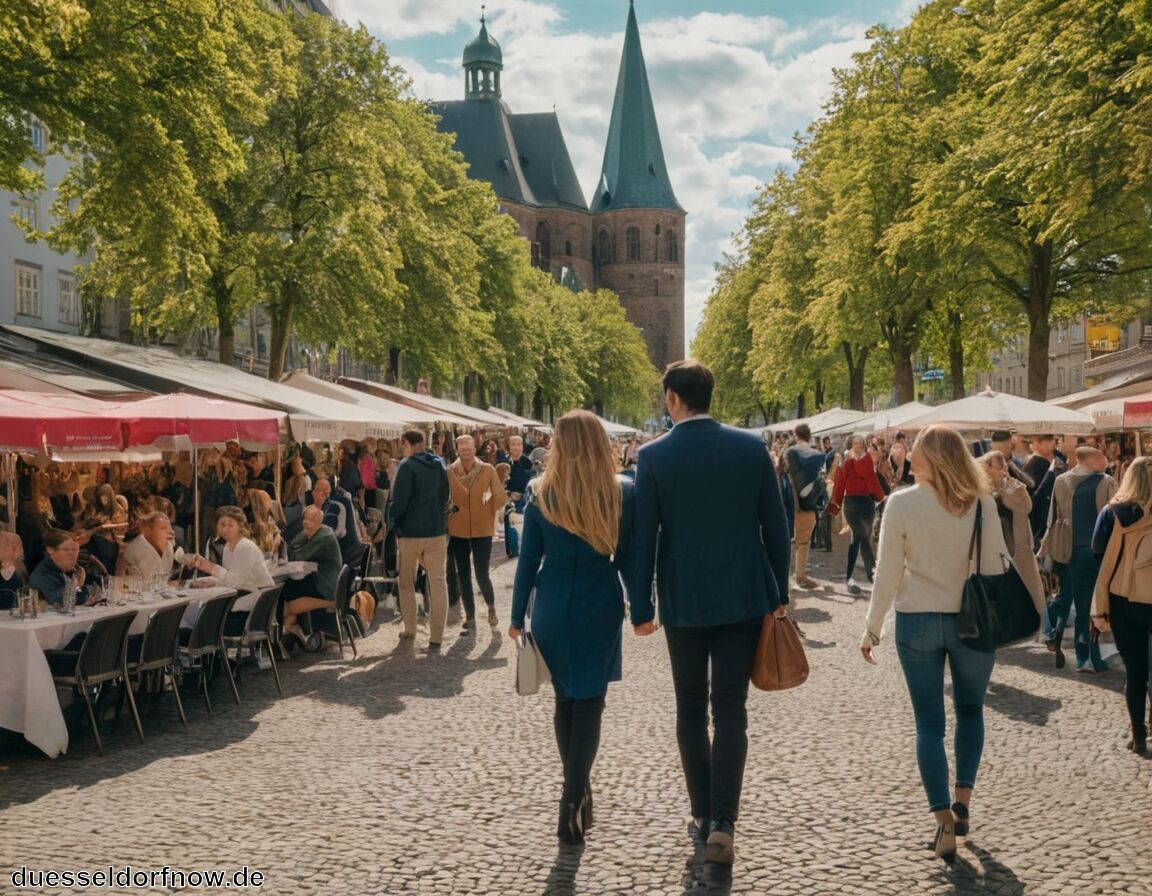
27,290
69,306
28,210
37,136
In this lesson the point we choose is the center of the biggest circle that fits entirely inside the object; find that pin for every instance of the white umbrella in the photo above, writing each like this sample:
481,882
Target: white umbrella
997,410
894,418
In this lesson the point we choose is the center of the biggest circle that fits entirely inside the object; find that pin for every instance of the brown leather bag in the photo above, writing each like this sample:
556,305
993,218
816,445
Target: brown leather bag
780,661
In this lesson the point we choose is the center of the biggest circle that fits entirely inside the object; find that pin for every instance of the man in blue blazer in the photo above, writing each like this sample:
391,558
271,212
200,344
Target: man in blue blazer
710,522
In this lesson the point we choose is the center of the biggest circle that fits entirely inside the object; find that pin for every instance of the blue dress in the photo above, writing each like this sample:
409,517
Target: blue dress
578,615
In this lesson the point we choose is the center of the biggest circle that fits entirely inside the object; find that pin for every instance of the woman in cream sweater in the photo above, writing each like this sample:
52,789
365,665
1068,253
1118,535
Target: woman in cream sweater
923,562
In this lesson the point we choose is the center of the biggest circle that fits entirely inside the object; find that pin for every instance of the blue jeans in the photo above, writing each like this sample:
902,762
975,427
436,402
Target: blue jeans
1077,581
923,642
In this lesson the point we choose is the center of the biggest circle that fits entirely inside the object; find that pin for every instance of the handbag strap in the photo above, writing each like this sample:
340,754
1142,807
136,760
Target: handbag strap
977,536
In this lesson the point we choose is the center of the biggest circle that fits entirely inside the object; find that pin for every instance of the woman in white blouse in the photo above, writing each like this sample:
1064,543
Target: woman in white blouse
923,562
242,563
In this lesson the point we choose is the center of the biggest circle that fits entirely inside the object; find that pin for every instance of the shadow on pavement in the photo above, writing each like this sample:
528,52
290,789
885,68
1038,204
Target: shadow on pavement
1041,662
562,878
1019,705
701,877
986,875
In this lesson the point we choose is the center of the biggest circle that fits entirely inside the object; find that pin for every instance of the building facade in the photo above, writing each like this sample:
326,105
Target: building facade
1075,350
630,239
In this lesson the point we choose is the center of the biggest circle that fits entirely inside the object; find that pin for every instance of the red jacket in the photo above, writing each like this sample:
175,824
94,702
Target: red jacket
856,478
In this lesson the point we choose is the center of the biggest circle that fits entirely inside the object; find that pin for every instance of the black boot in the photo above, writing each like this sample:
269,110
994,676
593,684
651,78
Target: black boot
570,828
586,816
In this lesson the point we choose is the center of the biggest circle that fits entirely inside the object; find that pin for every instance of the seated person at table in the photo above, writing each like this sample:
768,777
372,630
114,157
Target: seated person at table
13,575
151,550
316,591
267,522
242,564
49,575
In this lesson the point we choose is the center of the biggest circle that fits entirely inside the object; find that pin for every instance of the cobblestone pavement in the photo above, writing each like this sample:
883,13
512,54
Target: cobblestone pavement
399,772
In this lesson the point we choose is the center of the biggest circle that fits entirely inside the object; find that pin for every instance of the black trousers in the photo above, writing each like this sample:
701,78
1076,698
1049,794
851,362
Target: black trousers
465,551
713,769
859,513
577,725
1132,629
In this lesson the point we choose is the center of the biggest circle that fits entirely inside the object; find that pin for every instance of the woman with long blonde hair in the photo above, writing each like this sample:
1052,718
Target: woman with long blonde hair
924,560
1123,598
267,522
576,533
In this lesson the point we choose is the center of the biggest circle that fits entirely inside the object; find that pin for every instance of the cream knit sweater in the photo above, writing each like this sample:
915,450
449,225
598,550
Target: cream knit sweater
923,558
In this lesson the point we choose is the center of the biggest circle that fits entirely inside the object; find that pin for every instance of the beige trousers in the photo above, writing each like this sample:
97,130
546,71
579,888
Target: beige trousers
432,554
805,523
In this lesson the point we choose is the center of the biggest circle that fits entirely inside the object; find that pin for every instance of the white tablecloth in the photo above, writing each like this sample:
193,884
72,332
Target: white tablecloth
28,701
293,569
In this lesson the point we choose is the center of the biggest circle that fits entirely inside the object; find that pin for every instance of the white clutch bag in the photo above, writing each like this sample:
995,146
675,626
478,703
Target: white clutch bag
531,670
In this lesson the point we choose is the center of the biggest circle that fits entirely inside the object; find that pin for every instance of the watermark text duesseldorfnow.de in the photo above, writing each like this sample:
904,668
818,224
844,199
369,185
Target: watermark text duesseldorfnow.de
126,876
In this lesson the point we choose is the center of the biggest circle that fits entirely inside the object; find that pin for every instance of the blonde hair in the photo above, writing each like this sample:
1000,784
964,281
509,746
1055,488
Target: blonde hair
954,473
266,515
985,462
1136,487
578,490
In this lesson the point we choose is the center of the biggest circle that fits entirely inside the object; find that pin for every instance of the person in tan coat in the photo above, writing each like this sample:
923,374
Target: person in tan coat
478,498
1014,504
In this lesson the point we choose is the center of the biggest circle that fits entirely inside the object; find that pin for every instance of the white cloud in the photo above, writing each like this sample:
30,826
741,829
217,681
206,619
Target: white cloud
730,91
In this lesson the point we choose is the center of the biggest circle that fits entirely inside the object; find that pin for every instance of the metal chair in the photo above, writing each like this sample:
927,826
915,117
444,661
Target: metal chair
332,623
201,645
257,629
158,651
102,658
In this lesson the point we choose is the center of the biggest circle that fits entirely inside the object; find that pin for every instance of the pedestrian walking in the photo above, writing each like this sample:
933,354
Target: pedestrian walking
925,556
577,528
478,497
805,466
418,512
857,492
1123,595
1013,506
1078,497
710,523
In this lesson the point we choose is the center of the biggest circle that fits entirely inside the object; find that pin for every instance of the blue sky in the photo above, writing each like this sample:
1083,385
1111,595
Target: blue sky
732,80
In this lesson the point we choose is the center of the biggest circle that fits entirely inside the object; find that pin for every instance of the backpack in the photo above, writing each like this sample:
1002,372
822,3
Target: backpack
812,497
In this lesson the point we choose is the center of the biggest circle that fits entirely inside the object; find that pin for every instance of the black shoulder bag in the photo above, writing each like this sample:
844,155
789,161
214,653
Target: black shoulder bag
996,610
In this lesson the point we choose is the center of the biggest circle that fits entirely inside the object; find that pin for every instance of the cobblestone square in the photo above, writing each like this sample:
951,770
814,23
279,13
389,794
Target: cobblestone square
401,772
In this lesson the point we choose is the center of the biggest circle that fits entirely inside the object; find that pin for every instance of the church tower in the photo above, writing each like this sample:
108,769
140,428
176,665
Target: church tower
638,226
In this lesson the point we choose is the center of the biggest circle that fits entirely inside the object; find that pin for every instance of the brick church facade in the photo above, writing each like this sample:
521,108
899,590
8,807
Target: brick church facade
631,238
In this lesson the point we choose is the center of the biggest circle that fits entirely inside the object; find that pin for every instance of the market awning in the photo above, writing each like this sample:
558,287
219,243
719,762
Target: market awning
516,419
402,415
1122,385
448,411
33,373
32,421
312,418
998,410
617,430
1138,413
202,421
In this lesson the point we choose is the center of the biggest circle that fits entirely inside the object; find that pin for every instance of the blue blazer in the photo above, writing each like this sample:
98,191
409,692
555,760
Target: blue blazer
710,522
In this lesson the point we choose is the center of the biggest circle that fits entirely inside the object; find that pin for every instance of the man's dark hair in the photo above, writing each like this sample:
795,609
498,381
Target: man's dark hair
1044,437
413,437
804,432
692,382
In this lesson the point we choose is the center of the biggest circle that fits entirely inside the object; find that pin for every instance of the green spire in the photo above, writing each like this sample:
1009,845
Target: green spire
633,174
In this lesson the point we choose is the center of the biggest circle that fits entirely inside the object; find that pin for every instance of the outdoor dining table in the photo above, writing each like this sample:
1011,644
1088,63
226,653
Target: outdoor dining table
292,569
28,701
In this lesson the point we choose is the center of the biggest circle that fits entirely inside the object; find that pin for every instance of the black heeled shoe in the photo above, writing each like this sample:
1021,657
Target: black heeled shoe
1138,743
570,828
944,844
961,813
586,816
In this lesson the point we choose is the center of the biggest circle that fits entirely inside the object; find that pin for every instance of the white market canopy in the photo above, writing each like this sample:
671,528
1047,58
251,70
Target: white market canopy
444,409
311,417
402,416
525,422
998,410
617,430
1122,385
894,418
832,420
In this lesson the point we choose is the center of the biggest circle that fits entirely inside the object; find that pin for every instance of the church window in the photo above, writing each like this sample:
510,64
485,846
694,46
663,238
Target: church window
567,247
673,248
544,240
632,236
604,247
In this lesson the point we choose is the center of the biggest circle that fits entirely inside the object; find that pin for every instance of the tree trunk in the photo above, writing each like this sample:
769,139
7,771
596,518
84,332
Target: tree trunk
598,407
857,361
538,405
905,376
392,377
1039,307
469,382
818,395
801,406
956,353
225,317
281,316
